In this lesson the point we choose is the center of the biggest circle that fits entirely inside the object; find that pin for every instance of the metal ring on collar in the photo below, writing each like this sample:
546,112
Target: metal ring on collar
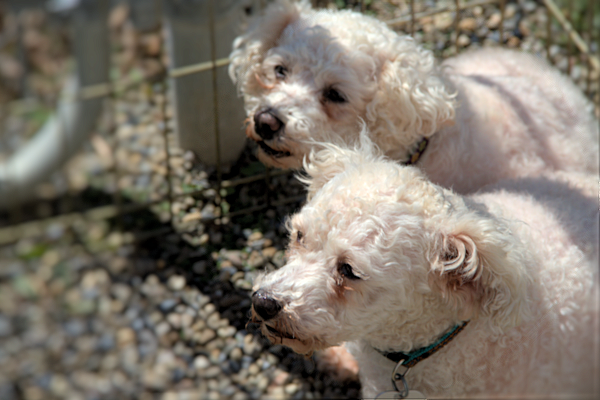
404,392
400,371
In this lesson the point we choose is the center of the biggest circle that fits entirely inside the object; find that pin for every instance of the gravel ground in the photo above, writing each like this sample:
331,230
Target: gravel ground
143,307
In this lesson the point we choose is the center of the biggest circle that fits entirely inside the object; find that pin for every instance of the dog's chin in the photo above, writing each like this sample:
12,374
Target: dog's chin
276,158
300,346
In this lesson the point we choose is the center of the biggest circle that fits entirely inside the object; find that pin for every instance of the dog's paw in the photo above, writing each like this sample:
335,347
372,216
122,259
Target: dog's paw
338,363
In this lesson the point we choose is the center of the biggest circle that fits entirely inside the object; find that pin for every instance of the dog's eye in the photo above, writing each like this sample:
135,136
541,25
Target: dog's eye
280,71
299,237
346,270
333,95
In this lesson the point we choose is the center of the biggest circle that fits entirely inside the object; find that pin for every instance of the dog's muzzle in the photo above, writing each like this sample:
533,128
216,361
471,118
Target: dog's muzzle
264,305
267,125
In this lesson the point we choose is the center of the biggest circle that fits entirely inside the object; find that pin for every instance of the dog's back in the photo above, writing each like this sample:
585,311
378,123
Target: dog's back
538,116
555,350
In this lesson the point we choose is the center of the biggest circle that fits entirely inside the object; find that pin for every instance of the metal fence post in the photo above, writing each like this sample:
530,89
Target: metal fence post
188,42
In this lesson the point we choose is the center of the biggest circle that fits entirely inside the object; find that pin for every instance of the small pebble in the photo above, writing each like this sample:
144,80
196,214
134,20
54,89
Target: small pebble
176,282
467,24
236,354
254,369
494,21
291,388
186,320
205,336
168,305
208,310
201,362
226,332
175,320
162,328
214,321
211,372
269,252
463,40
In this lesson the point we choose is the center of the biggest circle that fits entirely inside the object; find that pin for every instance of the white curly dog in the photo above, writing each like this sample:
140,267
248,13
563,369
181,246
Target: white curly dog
485,115
384,259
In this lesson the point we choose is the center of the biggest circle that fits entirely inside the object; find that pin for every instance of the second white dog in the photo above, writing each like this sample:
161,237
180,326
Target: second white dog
383,259
310,75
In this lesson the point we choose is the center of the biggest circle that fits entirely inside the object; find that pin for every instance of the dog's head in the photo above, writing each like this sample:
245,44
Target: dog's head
379,252
311,75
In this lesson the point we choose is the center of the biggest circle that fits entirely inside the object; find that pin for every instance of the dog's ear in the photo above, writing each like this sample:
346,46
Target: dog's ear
479,268
412,100
263,33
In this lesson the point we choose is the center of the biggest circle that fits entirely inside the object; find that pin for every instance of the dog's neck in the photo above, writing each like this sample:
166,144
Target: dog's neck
416,331
410,359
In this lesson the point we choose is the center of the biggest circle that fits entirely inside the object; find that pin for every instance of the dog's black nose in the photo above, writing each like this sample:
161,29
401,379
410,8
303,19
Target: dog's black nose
264,305
266,124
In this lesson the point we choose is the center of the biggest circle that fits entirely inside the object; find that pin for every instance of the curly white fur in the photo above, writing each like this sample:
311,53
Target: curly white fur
490,114
519,260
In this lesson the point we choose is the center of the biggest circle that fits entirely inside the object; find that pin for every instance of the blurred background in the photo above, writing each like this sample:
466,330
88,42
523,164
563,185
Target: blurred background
134,215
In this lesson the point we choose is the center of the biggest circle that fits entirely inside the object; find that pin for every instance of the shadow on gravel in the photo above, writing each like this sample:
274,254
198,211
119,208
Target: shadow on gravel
155,251
168,254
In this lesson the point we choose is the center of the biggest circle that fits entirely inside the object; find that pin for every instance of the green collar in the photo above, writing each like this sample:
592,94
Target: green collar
418,153
410,359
